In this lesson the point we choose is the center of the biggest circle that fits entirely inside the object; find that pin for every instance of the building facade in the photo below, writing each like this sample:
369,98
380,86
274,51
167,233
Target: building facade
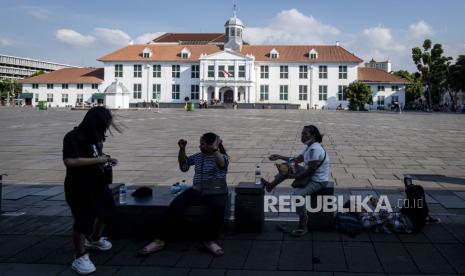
19,68
64,88
222,67
383,65
387,90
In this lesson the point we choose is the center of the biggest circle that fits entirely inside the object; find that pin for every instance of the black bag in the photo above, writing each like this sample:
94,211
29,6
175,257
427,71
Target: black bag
302,182
212,186
417,209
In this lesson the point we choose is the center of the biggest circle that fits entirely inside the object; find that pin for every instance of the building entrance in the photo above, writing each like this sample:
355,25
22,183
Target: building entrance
229,96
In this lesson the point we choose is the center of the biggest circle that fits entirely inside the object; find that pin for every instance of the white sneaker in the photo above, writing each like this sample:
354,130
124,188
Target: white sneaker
83,265
102,244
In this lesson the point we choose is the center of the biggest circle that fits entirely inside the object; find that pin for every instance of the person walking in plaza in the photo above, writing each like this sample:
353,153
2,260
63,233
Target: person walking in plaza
88,173
209,188
309,178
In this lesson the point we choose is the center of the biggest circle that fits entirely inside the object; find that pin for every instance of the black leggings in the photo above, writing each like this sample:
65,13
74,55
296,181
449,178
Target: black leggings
216,205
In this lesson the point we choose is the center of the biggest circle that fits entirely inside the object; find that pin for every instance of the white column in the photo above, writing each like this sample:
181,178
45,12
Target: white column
235,94
248,94
217,93
202,91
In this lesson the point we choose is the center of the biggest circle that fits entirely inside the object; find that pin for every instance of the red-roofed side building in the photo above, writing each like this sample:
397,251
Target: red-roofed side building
65,87
387,89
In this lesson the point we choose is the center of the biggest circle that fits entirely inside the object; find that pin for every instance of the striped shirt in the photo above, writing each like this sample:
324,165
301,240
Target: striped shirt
209,169
386,222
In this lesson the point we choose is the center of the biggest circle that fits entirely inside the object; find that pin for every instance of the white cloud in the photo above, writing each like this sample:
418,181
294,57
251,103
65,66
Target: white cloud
291,27
4,42
37,13
381,38
74,38
147,37
420,29
112,36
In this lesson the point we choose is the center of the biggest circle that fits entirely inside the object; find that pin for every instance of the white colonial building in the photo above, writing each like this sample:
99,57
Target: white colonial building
65,87
221,66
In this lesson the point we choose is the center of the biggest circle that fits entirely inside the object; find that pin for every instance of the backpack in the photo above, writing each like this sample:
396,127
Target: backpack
417,209
349,224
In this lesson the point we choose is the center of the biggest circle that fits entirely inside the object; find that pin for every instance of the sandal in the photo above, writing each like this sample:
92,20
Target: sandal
267,185
214,248
299,232
151,248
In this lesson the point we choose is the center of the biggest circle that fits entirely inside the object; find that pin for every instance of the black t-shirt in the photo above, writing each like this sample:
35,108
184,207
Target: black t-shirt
85,177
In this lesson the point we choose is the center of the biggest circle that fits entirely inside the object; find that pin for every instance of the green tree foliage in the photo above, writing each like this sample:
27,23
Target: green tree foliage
6,86
456,79
40,72
414,89
432,66
359,94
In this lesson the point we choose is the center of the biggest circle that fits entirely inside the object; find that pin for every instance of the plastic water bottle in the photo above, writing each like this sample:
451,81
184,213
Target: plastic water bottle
258,176
175,188
123,190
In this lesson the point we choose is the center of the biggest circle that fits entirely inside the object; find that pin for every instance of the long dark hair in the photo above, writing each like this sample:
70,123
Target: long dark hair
315,132
95,124
210,138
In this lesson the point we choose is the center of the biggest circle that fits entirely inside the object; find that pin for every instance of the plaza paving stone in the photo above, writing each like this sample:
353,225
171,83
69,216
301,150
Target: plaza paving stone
369,152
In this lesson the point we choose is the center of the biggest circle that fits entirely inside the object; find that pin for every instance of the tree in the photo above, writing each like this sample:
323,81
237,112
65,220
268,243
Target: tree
432,66
40,72
359,94
455,82
414,88
7,85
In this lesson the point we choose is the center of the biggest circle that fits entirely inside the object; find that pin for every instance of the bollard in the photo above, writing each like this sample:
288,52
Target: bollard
1,181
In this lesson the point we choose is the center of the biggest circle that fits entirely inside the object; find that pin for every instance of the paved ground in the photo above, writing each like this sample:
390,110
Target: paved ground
366,149
369,153
39,243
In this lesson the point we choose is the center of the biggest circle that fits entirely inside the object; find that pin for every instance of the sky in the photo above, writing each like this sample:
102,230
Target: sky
79,32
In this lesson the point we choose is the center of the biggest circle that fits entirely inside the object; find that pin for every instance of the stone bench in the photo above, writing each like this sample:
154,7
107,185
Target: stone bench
139,217
321,221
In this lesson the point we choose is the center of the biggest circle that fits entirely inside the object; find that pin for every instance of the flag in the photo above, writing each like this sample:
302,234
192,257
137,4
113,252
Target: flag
226,73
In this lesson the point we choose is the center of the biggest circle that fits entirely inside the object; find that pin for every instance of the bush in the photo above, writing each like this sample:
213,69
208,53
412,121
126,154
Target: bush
359,94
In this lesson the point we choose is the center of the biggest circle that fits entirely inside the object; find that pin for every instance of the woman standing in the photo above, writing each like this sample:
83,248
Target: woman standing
211,167
88,173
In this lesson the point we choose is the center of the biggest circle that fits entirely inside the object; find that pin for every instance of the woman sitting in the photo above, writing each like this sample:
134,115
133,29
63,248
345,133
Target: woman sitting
211,166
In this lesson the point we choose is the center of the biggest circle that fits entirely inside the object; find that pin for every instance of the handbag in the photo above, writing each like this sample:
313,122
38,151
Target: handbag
215,186
302,182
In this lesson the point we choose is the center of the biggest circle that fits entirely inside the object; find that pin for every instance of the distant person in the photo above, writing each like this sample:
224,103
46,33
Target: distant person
211,167
86,185
308,179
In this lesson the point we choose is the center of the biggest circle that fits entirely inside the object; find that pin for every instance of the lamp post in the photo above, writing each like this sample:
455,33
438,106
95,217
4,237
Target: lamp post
148,78
8,94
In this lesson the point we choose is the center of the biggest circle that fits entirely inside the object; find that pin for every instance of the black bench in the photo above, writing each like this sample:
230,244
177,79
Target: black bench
321,221
139,217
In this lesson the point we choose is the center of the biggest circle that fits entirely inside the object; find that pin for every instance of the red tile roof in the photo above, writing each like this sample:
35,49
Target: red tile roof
193,38
287,53
300,53
378,76
68,75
